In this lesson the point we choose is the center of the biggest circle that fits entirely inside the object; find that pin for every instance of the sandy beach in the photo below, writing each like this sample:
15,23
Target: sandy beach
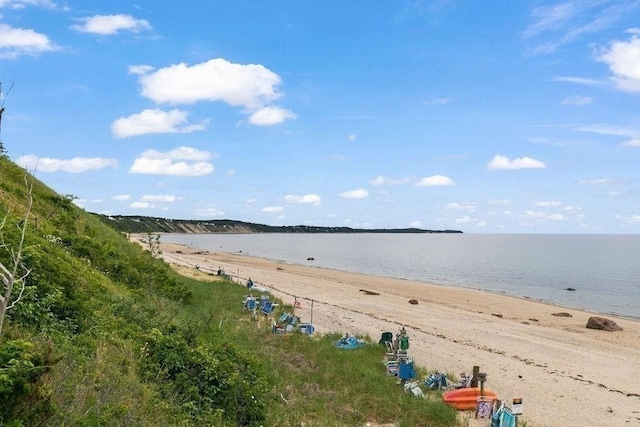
566,375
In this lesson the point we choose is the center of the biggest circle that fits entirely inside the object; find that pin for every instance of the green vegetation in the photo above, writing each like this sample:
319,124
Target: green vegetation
106,333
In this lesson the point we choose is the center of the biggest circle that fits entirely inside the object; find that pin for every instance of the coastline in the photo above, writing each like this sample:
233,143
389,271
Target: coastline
565,374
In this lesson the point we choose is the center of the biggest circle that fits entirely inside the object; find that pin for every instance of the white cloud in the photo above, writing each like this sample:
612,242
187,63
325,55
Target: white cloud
548,204
21,4
382,180
470,207
464,220
272,209
634,142
75,165
269,116
141,205
164,198
306,199
15,42
415,224
435,181
596,181
623,58
251,86
578,80
568,20
211,212
634,219
360,193
111,24
121,197
556,217
502,162
352,137
154,121
606,129
576,100
184,161
503,202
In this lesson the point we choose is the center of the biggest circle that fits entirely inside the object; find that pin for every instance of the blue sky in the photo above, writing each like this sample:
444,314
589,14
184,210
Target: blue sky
481,116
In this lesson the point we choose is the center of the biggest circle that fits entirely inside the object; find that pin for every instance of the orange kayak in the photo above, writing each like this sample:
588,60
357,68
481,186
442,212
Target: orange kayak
466,398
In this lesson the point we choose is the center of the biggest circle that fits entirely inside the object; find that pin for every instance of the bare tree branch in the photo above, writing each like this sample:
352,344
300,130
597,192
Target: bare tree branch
9,275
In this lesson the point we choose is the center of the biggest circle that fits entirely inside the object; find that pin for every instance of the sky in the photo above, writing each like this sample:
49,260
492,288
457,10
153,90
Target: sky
483,116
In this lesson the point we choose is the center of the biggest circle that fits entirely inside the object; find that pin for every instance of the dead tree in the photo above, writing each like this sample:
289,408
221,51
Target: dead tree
14,274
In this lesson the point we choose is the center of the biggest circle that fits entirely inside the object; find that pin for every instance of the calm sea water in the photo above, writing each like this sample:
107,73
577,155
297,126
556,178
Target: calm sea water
604,269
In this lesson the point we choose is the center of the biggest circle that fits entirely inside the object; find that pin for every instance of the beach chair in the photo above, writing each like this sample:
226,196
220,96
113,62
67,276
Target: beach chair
267,308
465,381
387,337
437,381
503,417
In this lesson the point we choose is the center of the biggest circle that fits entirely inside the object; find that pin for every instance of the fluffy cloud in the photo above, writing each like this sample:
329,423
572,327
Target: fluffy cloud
15,42
251,86
111,24
623,58
269,116
163,198
154,121
272,209
435,181
502,162
470,207
184,161
548,204
75,165
355,194
121,197
306,199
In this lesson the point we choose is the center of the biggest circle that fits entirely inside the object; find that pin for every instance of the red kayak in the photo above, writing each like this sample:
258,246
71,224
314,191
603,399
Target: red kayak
466,398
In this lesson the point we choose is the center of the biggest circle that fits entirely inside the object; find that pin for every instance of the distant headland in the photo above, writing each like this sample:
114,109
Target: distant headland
146,224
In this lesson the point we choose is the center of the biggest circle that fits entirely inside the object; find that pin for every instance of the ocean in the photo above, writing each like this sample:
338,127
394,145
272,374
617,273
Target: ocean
604,270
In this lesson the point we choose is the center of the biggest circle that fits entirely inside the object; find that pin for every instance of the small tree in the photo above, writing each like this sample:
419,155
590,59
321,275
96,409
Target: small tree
152,243
14,275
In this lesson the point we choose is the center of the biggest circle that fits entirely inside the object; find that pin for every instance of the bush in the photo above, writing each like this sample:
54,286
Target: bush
214,384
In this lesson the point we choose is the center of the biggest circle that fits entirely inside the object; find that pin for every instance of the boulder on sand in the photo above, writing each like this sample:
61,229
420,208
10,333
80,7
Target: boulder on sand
602,324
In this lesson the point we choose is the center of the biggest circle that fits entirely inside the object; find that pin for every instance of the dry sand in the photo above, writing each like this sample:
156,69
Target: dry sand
567,375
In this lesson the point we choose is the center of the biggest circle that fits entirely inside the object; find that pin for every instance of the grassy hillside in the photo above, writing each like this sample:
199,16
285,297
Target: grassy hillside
105,334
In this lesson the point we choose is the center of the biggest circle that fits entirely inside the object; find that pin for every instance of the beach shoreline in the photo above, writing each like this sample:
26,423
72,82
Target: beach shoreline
566,374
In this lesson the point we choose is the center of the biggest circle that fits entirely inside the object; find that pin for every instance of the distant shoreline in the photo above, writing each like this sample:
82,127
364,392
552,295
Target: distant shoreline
145,224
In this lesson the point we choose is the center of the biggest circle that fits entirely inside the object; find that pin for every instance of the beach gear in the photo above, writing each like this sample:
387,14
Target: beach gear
387,337
406,371
413,387
349,343
503,417
437,380
467,398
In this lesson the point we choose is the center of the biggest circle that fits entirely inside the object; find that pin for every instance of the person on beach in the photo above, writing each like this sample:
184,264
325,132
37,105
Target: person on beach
249,283
219,271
